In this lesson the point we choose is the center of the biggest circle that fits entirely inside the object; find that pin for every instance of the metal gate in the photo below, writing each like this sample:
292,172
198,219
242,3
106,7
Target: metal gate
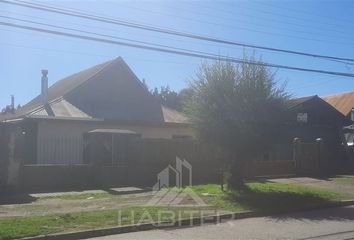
307,158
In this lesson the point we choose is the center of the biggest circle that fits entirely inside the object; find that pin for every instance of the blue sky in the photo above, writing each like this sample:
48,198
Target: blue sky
322,27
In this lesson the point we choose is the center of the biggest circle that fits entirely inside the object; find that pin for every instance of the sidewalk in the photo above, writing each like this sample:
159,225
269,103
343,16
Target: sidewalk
121,190
328,184
76,201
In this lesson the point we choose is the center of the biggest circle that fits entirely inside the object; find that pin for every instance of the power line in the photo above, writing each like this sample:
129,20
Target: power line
76,11
212,23
169,38
88,54
166,31
218,16
244,28
187,53
110,36
93,33
135,59
103,35
73,9
153,36
115,37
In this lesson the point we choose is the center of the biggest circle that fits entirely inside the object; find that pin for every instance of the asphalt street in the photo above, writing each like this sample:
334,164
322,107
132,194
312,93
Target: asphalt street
327,224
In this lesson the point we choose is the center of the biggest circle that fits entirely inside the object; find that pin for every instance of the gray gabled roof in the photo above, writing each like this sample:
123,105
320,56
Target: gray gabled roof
62,87
68,97
297,101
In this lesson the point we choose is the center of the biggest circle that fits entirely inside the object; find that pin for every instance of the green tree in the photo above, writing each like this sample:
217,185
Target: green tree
167,97
184,97
236,107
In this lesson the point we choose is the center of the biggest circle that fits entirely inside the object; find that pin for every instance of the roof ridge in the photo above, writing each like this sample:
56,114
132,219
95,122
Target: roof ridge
333,108
138,80
108,63
309,96
294,102
35,104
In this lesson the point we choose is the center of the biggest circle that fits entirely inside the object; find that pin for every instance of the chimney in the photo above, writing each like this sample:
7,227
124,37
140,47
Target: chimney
44,87
13,103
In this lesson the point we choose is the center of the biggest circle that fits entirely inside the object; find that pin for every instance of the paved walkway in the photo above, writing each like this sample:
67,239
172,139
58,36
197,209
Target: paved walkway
346,188
51,203
327,224
121,190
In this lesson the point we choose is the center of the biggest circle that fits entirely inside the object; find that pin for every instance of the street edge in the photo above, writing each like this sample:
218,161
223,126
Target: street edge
179,224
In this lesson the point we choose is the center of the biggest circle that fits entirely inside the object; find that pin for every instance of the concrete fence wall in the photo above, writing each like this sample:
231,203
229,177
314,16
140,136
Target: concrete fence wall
144,159
141,160
11,155
318,158
53,177
153,155
272,168
4,154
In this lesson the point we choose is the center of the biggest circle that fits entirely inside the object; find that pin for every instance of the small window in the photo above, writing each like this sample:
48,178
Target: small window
302,117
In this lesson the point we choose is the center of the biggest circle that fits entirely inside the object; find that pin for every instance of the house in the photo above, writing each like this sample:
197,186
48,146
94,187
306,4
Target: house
319,127
296,147
105,96
343,102
313,110
307,118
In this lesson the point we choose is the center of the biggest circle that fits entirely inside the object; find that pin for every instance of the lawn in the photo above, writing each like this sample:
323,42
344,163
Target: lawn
260,196
266,196
19,227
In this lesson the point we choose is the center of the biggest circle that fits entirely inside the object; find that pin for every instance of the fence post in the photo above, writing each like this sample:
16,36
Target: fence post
296,154
222,178
319,143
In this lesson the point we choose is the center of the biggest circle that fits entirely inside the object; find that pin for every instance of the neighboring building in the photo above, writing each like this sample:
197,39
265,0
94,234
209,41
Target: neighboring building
105,96
313,110
343,102
310,119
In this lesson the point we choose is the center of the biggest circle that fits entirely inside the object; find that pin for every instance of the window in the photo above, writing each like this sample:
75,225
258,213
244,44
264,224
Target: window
302,117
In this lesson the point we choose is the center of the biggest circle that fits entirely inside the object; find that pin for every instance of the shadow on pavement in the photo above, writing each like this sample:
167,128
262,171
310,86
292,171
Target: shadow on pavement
334,213
16,199
276,200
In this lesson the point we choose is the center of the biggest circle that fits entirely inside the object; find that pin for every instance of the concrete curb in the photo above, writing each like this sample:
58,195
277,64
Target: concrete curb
181,223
